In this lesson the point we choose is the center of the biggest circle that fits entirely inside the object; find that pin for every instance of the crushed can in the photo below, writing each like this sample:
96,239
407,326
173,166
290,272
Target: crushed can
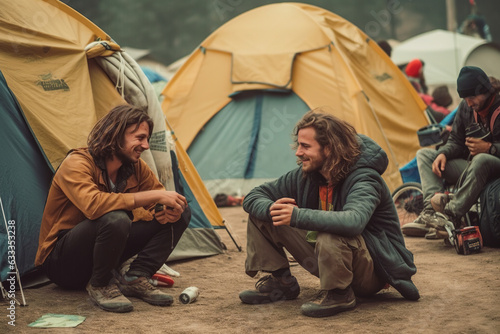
189,295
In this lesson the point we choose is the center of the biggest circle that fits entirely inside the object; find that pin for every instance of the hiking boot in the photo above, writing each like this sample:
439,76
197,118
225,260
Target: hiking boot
109,298
330,302
418,228
142,288
441,220
438,221
439,201
270,289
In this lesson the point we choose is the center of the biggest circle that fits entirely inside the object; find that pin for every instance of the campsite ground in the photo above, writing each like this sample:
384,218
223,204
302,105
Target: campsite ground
459,294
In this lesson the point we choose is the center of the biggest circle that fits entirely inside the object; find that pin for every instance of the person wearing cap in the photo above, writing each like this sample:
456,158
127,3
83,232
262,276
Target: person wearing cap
468,160
415,73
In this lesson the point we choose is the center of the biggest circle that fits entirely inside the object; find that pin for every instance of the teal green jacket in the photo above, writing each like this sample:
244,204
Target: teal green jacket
362,205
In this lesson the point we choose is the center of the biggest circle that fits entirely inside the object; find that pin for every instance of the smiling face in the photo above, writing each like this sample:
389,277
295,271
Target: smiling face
477,103
135,141
309,152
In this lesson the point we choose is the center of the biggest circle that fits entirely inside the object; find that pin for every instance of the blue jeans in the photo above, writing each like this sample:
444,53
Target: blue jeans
93,248
482,169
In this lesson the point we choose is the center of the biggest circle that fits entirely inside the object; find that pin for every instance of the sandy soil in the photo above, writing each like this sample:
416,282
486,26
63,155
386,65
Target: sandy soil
460,294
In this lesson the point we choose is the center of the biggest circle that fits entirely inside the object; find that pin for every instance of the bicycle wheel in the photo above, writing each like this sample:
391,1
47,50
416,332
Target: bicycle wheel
409,201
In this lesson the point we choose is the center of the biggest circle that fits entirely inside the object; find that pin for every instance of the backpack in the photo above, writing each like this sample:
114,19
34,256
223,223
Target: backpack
489,219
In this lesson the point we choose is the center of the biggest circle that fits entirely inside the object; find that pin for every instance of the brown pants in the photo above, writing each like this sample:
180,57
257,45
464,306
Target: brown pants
337,261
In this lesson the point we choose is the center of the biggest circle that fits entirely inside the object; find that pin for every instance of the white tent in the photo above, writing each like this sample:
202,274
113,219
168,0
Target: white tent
445,53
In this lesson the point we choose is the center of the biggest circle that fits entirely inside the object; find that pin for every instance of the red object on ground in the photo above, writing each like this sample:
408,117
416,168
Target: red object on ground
163,280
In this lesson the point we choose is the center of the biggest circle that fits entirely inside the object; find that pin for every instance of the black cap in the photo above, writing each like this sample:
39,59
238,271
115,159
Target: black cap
472,81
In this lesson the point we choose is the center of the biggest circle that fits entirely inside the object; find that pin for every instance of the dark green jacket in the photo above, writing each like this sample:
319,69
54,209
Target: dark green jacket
455,147
362,205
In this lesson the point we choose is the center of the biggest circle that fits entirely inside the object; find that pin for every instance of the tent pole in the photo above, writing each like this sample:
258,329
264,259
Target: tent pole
14,267
228,229
451,16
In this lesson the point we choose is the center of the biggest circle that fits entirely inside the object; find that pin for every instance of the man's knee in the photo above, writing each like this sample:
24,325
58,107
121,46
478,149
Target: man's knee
328,244
116,221
481,162
426,154
255,224
329,238
255,221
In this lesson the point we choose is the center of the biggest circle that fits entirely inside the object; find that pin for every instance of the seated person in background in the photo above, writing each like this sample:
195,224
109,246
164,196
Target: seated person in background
438,102
441,99
415,73
88,227
354,244
473,160
475,25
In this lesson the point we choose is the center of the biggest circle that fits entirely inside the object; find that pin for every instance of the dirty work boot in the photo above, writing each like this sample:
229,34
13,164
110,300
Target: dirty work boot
438,221
141,287
418,227
330,302
270,289
109,298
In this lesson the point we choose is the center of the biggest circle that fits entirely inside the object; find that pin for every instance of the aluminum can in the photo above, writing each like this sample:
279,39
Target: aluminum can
189,295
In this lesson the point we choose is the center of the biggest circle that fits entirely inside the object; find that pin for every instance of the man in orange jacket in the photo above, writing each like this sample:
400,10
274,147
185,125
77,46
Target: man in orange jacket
98,214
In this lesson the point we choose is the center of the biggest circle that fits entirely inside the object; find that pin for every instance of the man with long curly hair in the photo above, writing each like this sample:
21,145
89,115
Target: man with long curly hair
335,215
89,225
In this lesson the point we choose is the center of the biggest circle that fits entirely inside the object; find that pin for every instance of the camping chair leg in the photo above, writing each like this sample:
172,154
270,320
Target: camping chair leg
20,287
228,229
5,294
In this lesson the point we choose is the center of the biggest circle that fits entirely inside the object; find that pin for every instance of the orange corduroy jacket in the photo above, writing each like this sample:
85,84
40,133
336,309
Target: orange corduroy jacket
79,191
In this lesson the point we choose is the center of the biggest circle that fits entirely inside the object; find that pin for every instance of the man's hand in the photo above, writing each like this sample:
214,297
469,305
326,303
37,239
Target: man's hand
477,145
439,164
281,211
174,206
167,216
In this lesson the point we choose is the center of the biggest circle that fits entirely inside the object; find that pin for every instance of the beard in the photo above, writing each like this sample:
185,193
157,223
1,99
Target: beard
125,159
314,166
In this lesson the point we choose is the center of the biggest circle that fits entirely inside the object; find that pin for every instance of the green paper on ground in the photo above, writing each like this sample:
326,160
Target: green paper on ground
51,320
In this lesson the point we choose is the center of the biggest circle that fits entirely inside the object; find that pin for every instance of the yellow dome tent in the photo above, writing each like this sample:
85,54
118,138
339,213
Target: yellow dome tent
285,59
57,78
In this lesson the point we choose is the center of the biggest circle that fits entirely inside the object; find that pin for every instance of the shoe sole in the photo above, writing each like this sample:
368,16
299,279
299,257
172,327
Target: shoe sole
159,303
316,311
121,309
253,297
414,231
167,302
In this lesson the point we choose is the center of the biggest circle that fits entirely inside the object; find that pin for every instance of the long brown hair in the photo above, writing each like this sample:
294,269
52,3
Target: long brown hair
106,137
337,136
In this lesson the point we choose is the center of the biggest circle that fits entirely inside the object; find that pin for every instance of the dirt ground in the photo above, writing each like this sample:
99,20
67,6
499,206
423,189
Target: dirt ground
459,294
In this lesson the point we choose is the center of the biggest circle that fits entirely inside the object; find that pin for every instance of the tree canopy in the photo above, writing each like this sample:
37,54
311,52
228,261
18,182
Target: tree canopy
172,29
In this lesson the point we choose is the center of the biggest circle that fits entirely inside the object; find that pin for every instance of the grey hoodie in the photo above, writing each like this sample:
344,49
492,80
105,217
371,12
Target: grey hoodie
362,205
